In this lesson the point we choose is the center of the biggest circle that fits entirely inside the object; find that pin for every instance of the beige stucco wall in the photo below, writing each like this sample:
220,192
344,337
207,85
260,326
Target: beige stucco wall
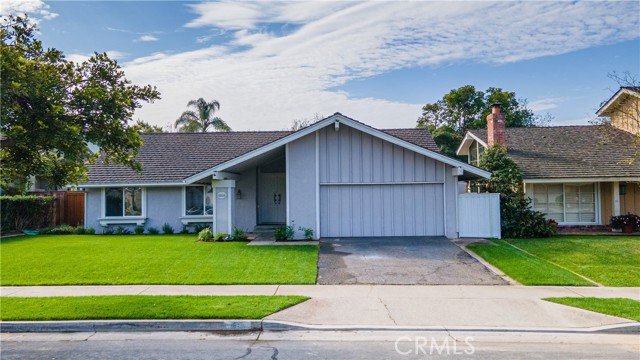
626,115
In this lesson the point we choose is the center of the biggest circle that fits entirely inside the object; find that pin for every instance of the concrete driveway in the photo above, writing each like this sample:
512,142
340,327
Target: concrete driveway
400,261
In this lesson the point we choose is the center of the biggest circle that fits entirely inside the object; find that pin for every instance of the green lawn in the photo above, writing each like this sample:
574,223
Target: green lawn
525,268
608,260
143,307
150,259
621,307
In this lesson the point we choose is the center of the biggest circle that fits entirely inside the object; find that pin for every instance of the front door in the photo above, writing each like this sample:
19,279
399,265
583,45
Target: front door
272,206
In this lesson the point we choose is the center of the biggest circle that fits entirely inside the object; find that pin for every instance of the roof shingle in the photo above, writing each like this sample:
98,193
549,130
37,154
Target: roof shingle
571,151
172,157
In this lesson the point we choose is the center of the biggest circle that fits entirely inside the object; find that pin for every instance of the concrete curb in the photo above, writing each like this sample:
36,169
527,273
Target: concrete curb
269,325
130,325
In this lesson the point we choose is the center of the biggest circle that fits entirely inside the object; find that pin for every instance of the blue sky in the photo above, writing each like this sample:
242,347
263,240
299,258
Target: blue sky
271,62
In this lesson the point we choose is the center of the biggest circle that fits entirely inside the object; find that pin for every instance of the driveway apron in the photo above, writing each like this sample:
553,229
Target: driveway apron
400,261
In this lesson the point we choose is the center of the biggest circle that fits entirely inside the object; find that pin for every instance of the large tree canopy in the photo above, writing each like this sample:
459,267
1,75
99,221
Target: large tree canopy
53,108
467,108
202,119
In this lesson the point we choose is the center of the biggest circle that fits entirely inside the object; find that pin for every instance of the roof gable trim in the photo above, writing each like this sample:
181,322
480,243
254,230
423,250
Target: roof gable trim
338,118
604,110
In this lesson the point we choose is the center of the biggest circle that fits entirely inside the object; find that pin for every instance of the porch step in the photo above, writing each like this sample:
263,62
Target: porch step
265,228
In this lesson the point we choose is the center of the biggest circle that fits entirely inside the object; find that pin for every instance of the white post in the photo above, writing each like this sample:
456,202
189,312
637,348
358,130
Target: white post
223,215
616,198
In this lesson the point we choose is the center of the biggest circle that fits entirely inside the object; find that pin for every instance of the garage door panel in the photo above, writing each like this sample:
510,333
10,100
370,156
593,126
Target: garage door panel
381,210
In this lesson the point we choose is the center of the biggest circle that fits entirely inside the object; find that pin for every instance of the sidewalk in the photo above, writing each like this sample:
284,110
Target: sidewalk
393,306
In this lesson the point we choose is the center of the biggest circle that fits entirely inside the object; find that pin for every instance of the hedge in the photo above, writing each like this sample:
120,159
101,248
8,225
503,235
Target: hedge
25,212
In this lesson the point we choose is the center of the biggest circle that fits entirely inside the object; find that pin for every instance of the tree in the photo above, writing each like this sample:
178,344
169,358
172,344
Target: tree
447,139
467,108
52,108
517,219
145,127
202,119
298,124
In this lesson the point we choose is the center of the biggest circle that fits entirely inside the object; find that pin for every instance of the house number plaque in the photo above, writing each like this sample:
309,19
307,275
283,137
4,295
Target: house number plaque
222,195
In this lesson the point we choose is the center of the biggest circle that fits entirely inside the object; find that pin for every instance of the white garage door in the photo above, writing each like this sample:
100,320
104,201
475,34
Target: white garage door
381,210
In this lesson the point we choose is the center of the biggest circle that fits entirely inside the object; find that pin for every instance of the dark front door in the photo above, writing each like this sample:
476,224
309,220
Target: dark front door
272,205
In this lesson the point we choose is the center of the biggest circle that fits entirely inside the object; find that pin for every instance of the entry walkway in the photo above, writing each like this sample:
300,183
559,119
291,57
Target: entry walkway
389,306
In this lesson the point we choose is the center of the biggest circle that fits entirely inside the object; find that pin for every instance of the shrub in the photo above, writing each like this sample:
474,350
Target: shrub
618,222
25,212
167,229
199,227
139,230
518,220
185,229
90,231
80,230
62,230
220,237
107,230
238,235
121,230
205,234
153,231
308,233
284,232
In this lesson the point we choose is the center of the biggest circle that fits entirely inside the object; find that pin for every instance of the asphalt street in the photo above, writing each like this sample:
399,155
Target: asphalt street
318,345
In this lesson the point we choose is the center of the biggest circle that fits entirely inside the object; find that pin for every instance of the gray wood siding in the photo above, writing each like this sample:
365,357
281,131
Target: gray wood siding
381,210
371,187
302,184
351,156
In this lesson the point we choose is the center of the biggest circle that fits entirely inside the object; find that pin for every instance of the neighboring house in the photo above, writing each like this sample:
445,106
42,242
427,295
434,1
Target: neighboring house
339,177
623,108
577,175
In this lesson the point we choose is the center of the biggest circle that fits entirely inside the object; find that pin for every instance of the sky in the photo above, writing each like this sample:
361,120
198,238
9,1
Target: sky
269,62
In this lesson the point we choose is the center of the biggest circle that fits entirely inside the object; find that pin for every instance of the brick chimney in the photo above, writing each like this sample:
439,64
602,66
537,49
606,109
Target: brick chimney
496,127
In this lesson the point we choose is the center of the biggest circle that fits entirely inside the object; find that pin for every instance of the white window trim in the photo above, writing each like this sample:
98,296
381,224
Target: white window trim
193,218
105,220
598,211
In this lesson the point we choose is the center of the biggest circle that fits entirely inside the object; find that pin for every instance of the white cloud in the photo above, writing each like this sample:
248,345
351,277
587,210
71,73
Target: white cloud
229,14
78,58
279,78
113,54
36,9
545,104
147,38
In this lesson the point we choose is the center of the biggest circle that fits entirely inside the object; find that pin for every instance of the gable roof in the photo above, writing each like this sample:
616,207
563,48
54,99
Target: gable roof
177,158
570,151
618,97
337,119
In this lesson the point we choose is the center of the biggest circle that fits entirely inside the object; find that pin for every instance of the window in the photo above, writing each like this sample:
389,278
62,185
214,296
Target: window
475,150
198,200
125,201
566,203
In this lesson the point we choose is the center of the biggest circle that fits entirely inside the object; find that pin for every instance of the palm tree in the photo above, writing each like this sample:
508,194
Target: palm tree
202,118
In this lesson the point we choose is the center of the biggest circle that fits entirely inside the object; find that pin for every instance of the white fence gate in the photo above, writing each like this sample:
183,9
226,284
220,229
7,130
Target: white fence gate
479,215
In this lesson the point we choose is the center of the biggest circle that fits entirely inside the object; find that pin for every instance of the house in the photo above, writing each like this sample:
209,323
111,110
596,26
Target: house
577,175
338,177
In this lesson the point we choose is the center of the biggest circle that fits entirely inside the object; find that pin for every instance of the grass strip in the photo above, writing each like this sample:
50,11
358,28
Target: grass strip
138,307
620,307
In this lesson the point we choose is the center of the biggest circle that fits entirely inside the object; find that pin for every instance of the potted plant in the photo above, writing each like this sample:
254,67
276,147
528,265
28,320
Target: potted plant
627,223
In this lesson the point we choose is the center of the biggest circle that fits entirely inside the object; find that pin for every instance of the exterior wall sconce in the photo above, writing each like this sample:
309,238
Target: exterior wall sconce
238,194
622,189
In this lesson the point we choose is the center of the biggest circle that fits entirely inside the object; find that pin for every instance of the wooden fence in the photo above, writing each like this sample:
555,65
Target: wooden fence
68,207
